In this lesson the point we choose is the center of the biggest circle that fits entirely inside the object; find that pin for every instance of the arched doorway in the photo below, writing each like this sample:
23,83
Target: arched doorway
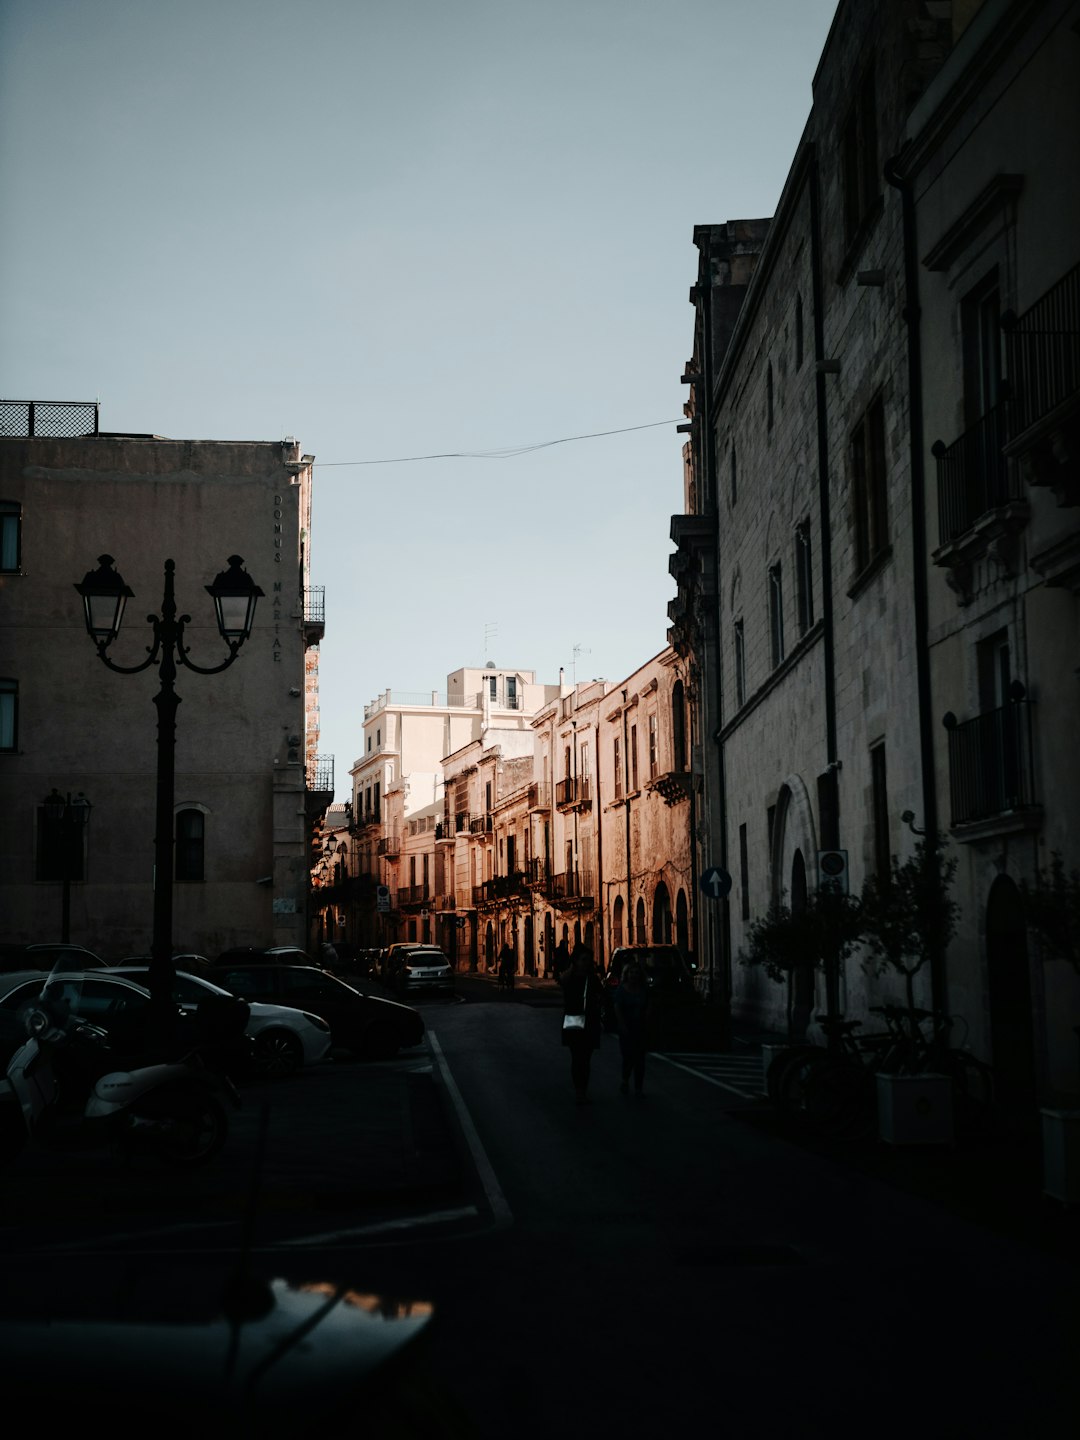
617,922
529,957
640,936
661,916
682,923
1009,987
489,946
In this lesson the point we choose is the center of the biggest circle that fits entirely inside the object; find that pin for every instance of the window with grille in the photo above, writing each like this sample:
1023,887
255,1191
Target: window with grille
776,615
740,664
9,715
190,846
10,535
804,577
869,491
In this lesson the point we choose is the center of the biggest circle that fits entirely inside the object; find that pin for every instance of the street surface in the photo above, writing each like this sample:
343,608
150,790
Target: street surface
640,1267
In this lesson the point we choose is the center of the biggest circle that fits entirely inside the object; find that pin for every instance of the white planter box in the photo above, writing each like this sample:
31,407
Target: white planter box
915,1109
768,1054
1061,1155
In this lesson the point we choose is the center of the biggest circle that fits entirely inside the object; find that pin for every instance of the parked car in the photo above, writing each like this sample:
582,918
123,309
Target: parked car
283,1039
675,1011
265,954
415,969
186,960
44,956
667,971
118,1005
369,1025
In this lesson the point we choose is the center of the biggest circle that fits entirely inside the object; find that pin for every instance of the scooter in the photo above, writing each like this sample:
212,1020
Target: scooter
65,1089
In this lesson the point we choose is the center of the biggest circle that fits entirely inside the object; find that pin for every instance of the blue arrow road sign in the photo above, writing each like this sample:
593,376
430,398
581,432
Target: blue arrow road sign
716,883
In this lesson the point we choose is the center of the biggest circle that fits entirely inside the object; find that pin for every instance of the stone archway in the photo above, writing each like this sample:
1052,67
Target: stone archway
529,954
682,923
1009,990
794,838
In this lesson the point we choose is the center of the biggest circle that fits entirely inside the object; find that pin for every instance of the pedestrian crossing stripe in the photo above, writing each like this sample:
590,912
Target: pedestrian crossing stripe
738,1074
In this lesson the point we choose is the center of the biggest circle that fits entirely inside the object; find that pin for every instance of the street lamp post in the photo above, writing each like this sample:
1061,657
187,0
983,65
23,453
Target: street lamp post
67,819
105,595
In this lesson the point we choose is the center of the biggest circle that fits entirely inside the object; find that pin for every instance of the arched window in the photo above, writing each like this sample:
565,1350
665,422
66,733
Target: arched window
190,845
617,923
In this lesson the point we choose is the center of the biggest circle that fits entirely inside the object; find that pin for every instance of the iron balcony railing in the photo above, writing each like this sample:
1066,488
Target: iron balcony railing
1042,349
540,796
320,773
57,419
446,902
413,894
537,872
974,476
573,792
571,885
990,763
389,844
315,605
479,824
369,817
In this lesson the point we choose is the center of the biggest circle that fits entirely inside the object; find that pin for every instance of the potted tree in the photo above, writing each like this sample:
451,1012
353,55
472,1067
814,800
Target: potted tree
909,918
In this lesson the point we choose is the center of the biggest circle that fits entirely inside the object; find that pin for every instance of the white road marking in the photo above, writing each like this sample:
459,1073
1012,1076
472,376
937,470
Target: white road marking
743,1094
383,1227
500,1209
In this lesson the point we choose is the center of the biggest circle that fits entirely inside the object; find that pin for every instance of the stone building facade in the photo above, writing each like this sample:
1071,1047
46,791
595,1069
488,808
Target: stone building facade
243,802
995,251
827,620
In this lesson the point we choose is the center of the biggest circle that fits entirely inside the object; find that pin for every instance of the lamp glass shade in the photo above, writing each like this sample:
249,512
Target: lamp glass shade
54,806
79,810
104,596
234,594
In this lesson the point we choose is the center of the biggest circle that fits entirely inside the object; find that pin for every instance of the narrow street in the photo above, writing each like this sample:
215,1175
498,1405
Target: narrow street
652,1266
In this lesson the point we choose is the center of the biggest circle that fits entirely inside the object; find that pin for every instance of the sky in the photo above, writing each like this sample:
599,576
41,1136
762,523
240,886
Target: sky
395,229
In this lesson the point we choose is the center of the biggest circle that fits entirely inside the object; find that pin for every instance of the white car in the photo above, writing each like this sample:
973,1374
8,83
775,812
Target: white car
283,1038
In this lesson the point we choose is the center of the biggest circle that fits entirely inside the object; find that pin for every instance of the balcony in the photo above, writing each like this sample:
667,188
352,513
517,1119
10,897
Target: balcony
1042,348
574,794
314,609
389,844
540,796
571,890
537,872
480,825
991,784
413,895
366,818
446,902
673,786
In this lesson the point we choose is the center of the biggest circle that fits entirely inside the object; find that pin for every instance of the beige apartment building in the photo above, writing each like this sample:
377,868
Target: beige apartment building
246,777
407,781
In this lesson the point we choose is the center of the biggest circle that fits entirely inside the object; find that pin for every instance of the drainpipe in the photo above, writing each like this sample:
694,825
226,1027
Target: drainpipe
912,315
626,812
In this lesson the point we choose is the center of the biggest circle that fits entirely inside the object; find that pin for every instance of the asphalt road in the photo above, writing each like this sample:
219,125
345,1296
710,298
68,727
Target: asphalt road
646,1267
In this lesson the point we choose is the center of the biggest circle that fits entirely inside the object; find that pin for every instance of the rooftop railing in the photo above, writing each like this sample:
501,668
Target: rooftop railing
59,419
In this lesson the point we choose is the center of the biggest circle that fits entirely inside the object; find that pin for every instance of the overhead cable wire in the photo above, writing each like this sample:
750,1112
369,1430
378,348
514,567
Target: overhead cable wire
508,453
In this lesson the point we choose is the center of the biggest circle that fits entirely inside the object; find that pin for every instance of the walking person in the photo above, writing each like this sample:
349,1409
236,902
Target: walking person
560,961
582,1017
507,965
631,1006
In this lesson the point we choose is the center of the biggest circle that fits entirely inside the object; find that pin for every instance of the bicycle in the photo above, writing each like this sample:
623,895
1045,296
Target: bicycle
922,1053
832,1086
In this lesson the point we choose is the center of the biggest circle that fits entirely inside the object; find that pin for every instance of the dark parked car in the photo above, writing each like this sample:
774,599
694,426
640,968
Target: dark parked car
44,956
667,971
369,1025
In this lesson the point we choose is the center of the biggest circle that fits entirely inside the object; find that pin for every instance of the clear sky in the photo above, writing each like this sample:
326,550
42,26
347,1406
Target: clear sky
396,228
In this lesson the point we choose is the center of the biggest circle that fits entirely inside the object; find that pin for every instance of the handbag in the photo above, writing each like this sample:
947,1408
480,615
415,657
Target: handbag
577,1022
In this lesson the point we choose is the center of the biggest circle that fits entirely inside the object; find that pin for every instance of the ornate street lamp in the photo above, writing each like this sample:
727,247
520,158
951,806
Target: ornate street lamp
66,819
104,596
